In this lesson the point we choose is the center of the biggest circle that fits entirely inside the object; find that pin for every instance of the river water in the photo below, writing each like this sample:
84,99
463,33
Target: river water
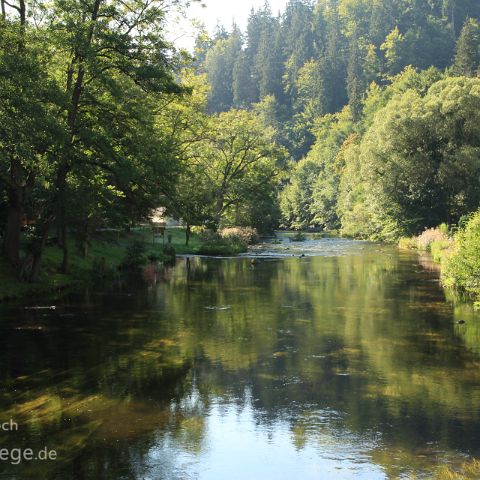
346,363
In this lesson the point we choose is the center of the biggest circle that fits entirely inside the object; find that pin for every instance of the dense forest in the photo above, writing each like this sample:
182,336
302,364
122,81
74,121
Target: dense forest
377,103
101,123
360,116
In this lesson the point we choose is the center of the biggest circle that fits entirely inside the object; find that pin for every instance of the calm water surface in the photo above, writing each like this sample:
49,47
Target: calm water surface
347,363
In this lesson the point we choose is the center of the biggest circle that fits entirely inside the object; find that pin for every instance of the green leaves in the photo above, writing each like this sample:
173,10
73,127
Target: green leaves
467,58
421,154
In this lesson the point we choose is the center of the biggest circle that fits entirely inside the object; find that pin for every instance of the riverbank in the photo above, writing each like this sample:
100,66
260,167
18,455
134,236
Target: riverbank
106,254
457,253
111,251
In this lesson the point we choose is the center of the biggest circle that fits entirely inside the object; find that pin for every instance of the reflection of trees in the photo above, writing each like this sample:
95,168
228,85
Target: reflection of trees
368,338
100,389
370,335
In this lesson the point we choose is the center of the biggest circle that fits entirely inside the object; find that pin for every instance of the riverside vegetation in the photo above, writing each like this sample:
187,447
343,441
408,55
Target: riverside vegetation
456,252
354,116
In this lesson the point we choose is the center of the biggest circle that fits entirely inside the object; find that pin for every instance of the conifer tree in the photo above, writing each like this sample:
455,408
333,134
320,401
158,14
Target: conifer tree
467,58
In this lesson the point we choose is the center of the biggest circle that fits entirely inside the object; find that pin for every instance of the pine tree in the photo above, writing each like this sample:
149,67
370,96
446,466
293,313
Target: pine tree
220,64
298,40
334,62
268,65
467,58
372,66
396,51
355,79
244,89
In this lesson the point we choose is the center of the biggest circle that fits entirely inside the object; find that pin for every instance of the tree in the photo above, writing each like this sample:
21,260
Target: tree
311,91
238,159
355,79
244,90
186,125
310,198
296,197
29,127
297,37
467,57
395,49
220,65
421,157
85,105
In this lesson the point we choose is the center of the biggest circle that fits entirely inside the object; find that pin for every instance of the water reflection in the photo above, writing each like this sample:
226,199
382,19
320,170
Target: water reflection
347,366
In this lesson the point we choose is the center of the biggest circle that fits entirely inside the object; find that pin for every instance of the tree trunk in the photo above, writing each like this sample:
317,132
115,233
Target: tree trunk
64,248
31,267
11,243
187,235
219,211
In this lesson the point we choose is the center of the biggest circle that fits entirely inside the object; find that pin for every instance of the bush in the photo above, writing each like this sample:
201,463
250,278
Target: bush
169,254
435,240
462,268
134,256
441,249
209,236
408,243
214,244
425,240
247,235
444,229
154,257
299,237
468,471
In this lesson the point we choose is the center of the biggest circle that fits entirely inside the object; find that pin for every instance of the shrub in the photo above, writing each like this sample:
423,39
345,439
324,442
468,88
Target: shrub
425,240
441,249
468,470
169,254
154,257
247,235
209,236
462,268
444,229
134,255
198,230
299,237
408,243
214,244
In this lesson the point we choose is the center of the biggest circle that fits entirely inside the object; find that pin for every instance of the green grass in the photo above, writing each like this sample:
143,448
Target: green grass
178,241
468,471
106,252
107,249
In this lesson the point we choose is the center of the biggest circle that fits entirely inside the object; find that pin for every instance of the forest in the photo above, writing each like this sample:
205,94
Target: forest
376,103
353,116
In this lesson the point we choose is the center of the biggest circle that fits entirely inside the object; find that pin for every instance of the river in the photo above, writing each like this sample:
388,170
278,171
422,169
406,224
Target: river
348,362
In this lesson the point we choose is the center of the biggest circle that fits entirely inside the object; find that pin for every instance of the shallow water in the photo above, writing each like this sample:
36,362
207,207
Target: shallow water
345,363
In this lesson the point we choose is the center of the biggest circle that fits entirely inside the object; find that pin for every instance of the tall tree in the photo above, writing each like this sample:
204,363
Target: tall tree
355,78
30,130
99,53
220,66
467,57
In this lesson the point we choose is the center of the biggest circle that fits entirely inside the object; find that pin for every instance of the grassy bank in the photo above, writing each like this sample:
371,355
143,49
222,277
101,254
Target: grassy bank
457,252
110,251
107,253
